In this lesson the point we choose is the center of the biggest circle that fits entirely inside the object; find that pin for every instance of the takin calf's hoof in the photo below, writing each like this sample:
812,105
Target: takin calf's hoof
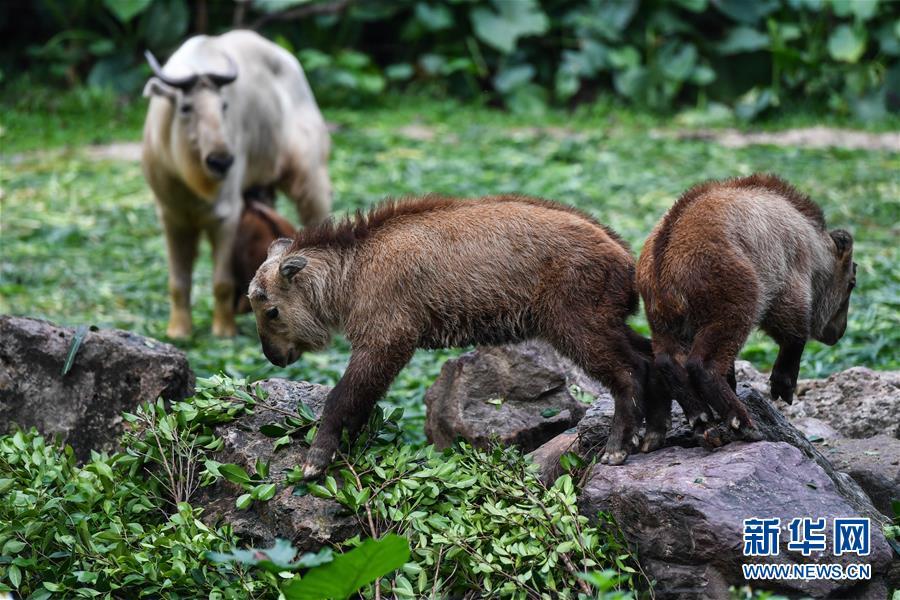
616,453
317,460
782,387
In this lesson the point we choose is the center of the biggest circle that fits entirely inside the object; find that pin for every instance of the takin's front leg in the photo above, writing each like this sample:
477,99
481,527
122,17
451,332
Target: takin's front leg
605,351
181,244
783,380
368,376
222,237
788,323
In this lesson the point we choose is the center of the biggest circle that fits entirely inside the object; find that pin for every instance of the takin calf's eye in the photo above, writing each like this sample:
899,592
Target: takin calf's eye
272,313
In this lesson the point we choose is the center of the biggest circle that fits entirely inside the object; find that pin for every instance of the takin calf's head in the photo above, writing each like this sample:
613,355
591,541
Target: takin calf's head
285,295
199,109
835,299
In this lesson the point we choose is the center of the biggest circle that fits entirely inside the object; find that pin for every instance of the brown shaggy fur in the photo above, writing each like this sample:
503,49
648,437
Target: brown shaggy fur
730,256
260,226
350,230
439,272
773,183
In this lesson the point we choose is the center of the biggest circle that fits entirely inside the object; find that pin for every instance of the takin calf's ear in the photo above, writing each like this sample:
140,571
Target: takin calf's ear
156,87
278,247
291,266
843,241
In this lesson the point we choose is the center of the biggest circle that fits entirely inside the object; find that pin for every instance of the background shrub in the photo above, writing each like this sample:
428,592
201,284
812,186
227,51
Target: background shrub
752,57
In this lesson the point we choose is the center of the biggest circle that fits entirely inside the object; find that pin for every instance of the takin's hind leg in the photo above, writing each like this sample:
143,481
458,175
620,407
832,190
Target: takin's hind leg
712,355
605,353
310,190
657,400
673,382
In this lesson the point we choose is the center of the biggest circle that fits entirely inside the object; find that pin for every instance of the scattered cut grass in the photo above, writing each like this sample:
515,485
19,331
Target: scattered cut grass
81,243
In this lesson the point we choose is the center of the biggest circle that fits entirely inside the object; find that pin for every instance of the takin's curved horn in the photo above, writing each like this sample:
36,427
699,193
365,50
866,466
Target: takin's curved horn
225,79
179,82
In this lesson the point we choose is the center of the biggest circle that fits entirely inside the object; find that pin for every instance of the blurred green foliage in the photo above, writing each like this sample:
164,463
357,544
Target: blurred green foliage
740,56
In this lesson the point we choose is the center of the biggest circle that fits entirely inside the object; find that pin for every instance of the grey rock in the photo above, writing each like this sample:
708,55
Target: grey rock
858,402
815,429
874,464
518,394
683,508
308,521
772,425
746,373
114,371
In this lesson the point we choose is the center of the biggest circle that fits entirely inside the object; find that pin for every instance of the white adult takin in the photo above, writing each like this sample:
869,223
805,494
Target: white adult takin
227,113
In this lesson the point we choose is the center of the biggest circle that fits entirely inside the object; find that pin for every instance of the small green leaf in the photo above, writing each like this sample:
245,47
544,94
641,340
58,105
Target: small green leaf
272,430
15,576
244,501
281,442
77,339
306,412
263,492
13,547
234,473
550,412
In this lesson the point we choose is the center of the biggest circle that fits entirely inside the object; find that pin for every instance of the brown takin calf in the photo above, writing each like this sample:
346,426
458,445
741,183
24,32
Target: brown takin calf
260,226
438,272
728,257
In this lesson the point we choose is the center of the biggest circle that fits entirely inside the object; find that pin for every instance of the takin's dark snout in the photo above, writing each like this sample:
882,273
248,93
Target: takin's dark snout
438,272
731,256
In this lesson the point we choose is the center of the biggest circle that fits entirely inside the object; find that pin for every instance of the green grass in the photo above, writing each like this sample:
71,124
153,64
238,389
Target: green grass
81,243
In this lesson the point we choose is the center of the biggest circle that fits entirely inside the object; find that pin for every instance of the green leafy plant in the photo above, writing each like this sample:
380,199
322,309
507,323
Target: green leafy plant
475,519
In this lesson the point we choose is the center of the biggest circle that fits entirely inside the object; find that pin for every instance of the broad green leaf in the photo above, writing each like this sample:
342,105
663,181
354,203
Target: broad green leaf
399,71
743,39
510,78
244,501
693,5
350,571
862,10
746,11
754,102
847,43
434,17
513,20
678,62
165,22
126,10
